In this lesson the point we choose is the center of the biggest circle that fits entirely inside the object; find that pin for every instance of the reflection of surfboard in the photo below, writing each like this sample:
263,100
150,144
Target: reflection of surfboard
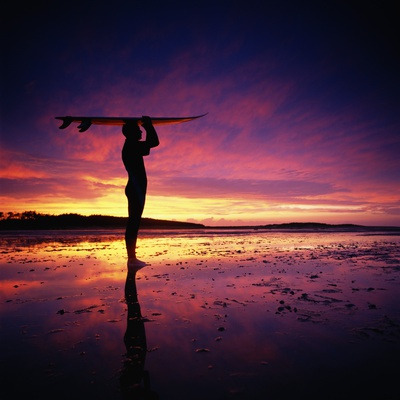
86,122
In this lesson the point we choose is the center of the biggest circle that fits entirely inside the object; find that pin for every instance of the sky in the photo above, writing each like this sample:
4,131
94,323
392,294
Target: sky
302,99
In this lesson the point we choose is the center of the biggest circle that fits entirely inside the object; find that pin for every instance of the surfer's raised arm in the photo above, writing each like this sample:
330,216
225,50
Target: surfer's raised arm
151,134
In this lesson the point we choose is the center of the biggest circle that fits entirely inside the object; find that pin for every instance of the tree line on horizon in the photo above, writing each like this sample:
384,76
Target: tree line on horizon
26,215
35,220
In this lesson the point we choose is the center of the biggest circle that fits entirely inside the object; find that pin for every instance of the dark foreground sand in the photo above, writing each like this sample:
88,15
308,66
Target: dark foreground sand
220,315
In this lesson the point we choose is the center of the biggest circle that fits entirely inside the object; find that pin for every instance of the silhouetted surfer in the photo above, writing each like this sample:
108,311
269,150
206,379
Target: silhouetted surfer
132,155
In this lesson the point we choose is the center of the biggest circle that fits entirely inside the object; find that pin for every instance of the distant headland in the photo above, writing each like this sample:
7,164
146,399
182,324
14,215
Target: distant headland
31,220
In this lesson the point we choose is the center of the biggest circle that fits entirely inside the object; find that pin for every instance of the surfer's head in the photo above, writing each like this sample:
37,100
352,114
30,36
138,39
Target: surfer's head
131,130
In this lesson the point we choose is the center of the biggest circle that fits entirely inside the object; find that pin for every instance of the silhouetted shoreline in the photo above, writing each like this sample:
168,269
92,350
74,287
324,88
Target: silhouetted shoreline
316,226
35,221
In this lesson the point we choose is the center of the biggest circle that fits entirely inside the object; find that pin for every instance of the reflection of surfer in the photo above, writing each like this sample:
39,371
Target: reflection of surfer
133,372
132,155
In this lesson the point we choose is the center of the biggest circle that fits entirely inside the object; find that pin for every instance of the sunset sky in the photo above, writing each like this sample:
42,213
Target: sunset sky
303,109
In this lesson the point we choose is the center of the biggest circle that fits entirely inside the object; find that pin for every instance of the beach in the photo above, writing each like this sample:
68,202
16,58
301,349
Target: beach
217,314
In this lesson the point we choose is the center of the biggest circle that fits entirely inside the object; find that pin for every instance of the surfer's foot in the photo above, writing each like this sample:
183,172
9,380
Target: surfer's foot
136,263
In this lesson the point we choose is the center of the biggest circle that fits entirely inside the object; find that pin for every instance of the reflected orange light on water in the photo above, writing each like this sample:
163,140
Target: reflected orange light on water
238,306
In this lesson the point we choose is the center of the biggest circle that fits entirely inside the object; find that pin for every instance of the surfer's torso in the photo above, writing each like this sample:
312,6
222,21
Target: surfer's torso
132,156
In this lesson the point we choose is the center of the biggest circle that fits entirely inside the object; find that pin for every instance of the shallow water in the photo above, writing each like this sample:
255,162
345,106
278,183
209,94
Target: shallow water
224,315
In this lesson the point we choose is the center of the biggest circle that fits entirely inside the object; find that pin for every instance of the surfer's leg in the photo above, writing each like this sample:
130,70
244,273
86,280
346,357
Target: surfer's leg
132,228
135,210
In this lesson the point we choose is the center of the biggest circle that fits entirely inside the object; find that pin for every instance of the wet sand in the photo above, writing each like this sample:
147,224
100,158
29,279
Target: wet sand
216,315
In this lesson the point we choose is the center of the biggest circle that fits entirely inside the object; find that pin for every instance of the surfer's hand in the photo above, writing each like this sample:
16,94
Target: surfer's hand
146,120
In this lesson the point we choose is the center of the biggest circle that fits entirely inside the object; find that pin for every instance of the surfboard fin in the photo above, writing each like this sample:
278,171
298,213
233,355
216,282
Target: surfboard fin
67,121
84,125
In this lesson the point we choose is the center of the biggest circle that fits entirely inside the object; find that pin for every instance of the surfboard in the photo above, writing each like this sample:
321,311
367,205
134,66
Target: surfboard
86,122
